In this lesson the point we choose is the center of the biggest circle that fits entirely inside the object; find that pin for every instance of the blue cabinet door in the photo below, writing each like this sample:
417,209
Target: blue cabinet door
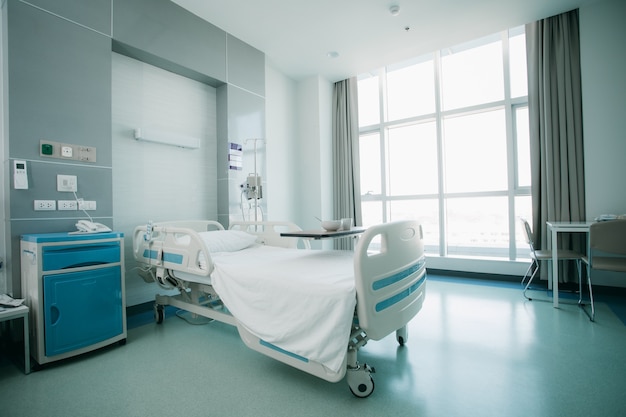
81,308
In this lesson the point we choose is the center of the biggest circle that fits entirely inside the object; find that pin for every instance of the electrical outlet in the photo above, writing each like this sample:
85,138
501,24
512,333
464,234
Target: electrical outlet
45,205
86,204
67,151
67,204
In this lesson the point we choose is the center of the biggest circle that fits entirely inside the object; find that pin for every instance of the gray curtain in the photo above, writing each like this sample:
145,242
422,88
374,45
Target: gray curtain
556,132
346,178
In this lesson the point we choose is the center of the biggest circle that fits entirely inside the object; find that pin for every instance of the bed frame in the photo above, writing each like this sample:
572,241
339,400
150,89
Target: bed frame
390,279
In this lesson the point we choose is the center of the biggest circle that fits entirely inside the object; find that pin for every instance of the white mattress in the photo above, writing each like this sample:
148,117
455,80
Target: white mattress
301,301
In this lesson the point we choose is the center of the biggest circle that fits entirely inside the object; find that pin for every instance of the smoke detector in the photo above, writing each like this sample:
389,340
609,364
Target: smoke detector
394,9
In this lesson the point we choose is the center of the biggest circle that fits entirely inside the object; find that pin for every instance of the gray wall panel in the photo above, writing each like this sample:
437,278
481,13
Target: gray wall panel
165,30
246,66
59,88
246,120
222,154
95,14
59,84
93,184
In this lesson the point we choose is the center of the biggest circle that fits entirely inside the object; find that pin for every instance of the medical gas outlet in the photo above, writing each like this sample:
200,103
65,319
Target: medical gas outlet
68,151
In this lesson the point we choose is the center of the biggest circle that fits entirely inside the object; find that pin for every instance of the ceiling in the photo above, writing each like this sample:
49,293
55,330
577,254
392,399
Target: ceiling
297,35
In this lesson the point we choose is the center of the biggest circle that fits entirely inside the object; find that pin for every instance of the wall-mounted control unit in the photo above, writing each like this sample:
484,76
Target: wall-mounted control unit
67,183
20,175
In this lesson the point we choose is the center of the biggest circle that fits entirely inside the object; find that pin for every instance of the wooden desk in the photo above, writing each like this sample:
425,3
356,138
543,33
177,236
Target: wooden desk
323,234
14,313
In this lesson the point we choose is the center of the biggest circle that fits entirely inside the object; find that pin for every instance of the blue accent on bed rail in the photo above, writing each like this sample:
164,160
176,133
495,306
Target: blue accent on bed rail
400,296
283,351
167,257
385,282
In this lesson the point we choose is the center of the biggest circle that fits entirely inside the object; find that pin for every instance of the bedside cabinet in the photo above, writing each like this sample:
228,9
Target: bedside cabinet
74,287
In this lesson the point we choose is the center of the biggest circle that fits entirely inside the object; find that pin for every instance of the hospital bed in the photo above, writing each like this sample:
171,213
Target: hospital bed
311,309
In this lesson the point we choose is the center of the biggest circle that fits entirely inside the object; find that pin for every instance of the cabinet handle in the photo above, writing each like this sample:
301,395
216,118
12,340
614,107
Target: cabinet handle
32,256
55,315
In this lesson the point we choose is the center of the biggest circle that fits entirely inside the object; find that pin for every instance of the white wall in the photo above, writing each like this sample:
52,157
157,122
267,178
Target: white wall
155,181
281,137
308,153
299,154
603,64
314,153
326,148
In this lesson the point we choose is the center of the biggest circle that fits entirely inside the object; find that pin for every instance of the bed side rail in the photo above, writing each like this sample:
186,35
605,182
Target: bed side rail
170,246
268,233
390,274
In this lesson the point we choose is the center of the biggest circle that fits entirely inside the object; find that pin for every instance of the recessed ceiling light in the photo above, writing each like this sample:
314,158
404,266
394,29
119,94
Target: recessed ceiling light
333,54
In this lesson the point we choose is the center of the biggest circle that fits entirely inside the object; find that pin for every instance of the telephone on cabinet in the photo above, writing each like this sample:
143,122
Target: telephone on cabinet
86,226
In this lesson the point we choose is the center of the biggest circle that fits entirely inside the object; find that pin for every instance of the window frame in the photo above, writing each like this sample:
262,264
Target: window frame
510,105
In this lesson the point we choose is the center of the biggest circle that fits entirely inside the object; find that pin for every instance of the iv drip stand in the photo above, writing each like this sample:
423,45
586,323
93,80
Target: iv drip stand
256,175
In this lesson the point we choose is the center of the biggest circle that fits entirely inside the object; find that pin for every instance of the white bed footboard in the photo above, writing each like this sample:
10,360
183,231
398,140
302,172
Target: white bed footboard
390,277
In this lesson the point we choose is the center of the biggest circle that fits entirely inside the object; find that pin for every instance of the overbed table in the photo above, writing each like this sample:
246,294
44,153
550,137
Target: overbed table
556,228
324,234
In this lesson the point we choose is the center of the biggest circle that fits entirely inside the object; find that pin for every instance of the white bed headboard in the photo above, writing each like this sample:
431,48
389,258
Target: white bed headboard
196,225
268,233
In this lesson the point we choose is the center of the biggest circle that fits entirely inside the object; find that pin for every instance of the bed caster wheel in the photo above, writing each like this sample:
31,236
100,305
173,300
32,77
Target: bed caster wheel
159,314
361,382
402,335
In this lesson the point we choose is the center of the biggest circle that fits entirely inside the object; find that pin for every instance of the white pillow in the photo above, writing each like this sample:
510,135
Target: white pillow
227,240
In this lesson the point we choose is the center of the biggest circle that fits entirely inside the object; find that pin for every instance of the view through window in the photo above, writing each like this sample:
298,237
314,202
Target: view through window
444,140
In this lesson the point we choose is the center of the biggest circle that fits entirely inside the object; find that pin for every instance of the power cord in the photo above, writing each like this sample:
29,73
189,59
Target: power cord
81,204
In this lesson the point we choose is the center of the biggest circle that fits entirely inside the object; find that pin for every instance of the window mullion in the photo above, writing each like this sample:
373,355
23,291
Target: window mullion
440,156
510,144
382,93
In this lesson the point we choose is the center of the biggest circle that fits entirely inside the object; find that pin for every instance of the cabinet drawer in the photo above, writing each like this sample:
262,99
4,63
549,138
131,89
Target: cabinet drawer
73,256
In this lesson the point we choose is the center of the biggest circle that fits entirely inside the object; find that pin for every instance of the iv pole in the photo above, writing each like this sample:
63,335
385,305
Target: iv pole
257,187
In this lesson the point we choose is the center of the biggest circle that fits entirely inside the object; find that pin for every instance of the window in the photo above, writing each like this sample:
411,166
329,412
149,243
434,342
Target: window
472,74
475,152
410,89
369,105
444,140
406,175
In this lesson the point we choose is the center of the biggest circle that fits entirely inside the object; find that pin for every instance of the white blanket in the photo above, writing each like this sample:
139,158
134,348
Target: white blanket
301,301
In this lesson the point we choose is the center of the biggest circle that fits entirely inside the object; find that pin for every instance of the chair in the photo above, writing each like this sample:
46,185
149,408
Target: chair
606,252
546,255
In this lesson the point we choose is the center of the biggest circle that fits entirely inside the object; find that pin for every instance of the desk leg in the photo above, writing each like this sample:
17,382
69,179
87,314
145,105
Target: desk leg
26,345
555,270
